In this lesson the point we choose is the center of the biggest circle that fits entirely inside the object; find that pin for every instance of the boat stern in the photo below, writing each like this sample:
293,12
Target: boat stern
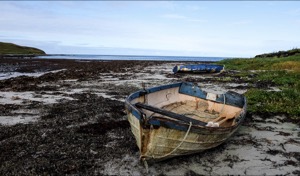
176,69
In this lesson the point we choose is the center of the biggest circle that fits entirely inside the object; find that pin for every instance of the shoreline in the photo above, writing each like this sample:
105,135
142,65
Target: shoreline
79,126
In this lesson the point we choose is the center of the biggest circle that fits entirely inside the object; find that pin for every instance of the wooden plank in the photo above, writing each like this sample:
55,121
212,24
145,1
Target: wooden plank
230,97
171,114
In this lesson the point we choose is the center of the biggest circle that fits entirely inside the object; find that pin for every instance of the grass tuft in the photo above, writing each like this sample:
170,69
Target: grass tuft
287,65
286,102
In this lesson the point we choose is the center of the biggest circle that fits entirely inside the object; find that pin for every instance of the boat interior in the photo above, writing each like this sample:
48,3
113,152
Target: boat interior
169,102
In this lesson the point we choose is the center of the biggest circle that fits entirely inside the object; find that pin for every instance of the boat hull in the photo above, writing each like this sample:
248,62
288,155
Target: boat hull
160,137
199,68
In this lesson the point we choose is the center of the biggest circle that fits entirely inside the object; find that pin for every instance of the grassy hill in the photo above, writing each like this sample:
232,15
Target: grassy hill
10,48
278,54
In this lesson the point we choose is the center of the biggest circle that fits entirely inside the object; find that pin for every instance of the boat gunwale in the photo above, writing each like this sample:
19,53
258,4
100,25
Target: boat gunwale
176,124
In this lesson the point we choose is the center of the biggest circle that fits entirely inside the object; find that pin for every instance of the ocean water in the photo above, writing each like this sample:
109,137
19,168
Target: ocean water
128,57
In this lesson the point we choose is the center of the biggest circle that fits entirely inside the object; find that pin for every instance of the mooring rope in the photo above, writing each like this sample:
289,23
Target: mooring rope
146,165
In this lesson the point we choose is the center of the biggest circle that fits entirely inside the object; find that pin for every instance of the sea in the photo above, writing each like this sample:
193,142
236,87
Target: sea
130,57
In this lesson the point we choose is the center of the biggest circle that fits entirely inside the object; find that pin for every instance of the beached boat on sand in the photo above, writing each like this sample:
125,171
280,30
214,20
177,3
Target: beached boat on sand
180,119
199,68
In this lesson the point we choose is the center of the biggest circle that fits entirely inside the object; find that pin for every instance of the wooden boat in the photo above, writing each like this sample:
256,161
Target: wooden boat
181,119
199,68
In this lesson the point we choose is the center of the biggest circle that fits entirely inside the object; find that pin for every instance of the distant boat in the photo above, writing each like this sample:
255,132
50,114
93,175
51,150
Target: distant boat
180,119
199,68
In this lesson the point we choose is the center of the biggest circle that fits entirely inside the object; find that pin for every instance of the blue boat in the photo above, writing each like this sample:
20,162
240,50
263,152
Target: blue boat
181,119
199,68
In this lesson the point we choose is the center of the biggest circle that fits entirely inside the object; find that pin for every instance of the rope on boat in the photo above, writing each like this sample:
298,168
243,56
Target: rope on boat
184,138
146,165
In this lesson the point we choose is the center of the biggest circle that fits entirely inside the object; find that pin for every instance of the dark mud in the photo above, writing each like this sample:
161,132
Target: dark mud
81,127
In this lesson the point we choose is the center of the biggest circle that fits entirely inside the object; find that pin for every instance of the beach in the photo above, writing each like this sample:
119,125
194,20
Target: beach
64,116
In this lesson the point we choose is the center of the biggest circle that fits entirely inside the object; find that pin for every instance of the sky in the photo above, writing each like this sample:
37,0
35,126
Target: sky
155,28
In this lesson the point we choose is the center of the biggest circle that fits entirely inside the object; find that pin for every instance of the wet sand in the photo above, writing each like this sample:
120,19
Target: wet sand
67,117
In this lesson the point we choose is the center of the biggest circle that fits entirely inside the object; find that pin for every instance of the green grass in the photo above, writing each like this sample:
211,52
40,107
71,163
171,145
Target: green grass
286,102
282,78
262,63
284,72
10,48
